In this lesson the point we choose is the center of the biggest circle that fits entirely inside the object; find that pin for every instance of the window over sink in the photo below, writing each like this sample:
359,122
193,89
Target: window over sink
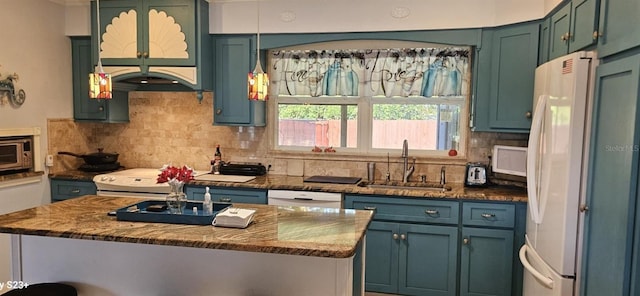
368,96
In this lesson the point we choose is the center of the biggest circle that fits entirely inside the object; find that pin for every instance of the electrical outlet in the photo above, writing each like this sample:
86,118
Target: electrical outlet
49,161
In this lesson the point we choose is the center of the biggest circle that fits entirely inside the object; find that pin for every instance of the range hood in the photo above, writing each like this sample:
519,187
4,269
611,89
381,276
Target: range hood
151,83
139,81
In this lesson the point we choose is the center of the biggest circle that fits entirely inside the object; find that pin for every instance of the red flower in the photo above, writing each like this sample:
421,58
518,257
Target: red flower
175,174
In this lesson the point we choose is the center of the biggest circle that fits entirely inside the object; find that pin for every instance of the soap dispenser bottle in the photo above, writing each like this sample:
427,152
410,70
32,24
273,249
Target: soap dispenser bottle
207,205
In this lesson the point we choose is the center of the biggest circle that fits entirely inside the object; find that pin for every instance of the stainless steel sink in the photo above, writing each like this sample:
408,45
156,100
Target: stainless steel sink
406,186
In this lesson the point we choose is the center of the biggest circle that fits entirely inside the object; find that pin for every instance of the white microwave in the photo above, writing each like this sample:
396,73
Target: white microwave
509,160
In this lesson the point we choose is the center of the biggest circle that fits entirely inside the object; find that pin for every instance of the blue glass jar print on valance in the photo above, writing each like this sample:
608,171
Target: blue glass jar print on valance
379,72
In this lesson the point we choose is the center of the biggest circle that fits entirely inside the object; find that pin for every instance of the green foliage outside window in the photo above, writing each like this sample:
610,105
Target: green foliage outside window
380,112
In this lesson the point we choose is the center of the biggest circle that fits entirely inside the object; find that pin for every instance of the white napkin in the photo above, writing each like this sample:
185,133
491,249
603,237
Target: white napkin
234,217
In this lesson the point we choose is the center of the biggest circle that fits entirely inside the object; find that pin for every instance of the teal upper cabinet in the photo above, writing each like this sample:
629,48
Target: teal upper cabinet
619,29
505,70
234,58
584,23
543,47
84,108
559,28
154,37
573,27
151,32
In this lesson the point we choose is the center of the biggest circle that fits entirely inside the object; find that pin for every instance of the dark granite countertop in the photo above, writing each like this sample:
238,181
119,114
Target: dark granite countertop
279,230
458,191
16,176
76,175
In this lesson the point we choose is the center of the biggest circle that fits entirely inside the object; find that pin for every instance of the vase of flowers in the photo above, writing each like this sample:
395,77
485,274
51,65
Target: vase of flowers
176,178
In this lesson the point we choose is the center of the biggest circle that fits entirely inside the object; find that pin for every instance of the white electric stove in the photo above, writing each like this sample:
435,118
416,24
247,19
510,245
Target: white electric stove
140,182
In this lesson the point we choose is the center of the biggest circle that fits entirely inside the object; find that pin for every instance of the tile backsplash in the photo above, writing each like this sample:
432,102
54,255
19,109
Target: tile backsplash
173,127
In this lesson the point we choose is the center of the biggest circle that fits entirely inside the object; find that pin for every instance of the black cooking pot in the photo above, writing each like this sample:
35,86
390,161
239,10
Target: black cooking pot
95,158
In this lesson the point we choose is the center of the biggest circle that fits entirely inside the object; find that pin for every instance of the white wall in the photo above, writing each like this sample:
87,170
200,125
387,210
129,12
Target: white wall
78,19
33,46
549,5
307,16
368,15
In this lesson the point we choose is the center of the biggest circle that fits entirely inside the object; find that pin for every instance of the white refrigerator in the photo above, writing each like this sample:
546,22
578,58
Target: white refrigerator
556,173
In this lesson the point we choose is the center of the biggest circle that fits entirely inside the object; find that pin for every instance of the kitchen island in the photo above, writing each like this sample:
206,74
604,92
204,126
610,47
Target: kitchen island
285,251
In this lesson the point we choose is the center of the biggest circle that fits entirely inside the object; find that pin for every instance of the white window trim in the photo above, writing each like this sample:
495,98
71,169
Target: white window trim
364,113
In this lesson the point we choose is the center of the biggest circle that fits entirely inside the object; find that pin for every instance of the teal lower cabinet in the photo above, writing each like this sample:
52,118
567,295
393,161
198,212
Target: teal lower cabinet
411,259
232,195
419,246
486,261
382,251
428,260
487,250
66,189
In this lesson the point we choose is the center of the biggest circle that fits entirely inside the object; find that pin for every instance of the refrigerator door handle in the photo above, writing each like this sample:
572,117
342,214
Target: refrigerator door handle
532,159
546,281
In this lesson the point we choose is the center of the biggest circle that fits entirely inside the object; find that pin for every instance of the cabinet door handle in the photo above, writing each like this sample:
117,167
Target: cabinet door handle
528,114
487,216
431,212
403,236
75,191
596,34
395,236
138,54
225,199
465,241
218,111
145,54
370,208
584,208
100,108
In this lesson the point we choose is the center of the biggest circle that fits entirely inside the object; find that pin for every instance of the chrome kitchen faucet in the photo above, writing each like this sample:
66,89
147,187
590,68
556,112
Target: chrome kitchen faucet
406,172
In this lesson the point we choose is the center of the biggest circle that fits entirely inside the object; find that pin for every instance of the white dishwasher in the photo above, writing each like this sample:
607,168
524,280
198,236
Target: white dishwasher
304,198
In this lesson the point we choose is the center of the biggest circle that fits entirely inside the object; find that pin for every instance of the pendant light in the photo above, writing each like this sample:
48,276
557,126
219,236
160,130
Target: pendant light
99,82
258,80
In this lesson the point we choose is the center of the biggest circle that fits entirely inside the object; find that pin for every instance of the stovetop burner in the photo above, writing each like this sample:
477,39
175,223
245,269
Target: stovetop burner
105,167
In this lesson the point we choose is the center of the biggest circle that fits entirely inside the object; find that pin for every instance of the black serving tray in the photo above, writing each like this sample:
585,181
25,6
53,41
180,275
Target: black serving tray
333,179
187,217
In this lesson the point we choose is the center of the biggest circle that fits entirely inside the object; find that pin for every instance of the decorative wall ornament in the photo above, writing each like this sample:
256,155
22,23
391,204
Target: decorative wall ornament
8,91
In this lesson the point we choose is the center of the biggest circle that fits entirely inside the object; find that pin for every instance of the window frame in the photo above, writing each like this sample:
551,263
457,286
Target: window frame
365,104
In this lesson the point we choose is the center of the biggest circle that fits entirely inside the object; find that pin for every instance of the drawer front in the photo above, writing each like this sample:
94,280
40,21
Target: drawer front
228,195
409,210
61,190
488,214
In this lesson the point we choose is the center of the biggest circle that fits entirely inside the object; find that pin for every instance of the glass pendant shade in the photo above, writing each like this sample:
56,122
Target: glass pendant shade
99,82
100,86
258,85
